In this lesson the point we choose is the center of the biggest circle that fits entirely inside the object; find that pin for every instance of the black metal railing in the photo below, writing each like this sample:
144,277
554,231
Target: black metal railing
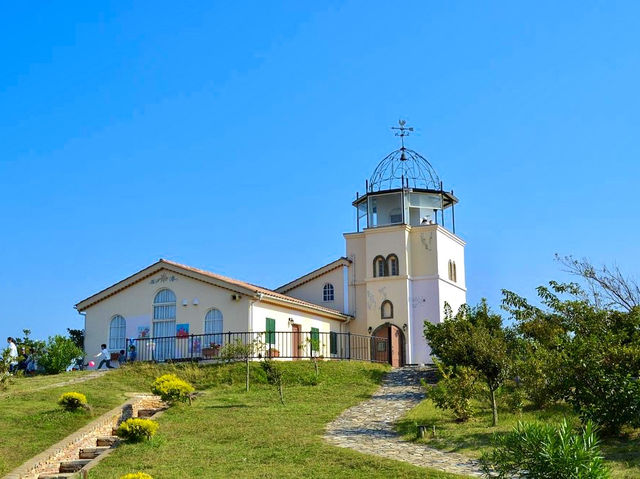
263,344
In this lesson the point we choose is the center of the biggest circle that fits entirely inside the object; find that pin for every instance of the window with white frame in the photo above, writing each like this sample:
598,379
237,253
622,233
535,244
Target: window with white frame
328,292
117,333
164,305
213,322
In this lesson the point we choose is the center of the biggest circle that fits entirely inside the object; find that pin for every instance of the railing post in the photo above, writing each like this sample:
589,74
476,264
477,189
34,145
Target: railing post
349,346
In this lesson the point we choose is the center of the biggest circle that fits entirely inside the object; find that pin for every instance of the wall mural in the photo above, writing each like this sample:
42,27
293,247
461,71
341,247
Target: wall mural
144,331
164,277
426,243
182,330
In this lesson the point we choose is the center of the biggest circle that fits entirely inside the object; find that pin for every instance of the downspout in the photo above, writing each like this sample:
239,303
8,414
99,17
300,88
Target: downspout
84,327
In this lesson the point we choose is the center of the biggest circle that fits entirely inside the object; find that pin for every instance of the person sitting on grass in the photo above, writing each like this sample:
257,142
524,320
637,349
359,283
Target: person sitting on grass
106,357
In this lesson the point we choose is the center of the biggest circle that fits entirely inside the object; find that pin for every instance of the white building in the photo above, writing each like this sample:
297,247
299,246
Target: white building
402,264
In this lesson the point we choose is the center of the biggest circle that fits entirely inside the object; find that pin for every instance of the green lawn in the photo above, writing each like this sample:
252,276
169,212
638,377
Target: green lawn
474,437
226,432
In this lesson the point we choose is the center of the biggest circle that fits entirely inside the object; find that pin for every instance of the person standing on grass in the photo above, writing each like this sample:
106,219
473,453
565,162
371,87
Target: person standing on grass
106,357
13,354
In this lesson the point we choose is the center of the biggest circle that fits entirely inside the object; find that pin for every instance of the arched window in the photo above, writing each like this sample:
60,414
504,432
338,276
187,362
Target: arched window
213,322
328,292
450,270
379,267
164,305
393,266
117,333
455,272
386,310
164,325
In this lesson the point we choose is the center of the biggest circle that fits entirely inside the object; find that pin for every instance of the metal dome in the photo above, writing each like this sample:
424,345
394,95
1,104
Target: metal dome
404,165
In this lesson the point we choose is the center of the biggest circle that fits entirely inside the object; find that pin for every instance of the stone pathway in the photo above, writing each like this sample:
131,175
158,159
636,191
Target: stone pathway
369,426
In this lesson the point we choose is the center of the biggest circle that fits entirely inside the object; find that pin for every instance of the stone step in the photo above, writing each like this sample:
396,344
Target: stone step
73,466
110,441
92,452
56,475
147,412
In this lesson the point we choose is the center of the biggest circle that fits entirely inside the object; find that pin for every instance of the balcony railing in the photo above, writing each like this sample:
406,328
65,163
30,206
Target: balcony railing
263,344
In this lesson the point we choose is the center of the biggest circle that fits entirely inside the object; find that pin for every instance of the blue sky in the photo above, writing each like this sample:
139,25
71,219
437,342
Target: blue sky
233,137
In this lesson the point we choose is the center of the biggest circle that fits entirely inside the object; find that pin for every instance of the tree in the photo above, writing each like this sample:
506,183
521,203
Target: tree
473,338
77,336
593,353
238,350
608,286
59,353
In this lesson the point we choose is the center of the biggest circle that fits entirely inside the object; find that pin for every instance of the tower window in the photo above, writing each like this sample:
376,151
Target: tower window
452,271
393,266
379,267
386,309
328,292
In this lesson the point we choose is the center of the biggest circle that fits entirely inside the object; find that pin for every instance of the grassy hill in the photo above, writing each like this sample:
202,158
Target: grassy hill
226,432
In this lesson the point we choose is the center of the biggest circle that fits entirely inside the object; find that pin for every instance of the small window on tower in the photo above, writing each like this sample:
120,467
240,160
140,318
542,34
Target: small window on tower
393,267
327,292
386,310
454,271
379,267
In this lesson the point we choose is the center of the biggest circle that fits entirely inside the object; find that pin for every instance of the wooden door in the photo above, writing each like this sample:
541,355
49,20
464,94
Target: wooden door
296,352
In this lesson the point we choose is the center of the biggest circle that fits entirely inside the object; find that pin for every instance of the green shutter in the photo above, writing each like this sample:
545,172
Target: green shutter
271,331
333,342
315,339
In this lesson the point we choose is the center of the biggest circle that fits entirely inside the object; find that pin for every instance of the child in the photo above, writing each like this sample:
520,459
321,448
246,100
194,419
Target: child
122,357
106,357
132,353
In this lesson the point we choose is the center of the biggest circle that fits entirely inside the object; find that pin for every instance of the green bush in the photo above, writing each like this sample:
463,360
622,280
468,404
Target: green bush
543,451
136,429
136,475
172,389
72,401
454,391
59,353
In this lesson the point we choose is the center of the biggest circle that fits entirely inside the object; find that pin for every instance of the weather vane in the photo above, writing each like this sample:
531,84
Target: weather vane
402,130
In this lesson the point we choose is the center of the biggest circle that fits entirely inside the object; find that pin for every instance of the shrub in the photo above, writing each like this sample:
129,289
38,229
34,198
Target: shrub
59,353
454,391
541,451
72,401
136,475
136,429
172,389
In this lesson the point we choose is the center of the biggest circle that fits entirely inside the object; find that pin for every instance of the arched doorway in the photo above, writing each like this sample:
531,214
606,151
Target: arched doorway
391,349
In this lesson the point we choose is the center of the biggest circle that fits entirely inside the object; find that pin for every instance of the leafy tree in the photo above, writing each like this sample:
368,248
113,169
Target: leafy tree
59,353
77,336
593,353
454,391
474,338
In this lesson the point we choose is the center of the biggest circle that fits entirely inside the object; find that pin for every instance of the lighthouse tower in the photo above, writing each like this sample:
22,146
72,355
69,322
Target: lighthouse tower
407,261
